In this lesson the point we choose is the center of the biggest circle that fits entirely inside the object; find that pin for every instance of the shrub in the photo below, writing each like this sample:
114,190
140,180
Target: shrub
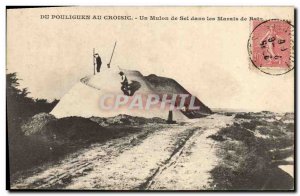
247,159
58,138
244,116
216,137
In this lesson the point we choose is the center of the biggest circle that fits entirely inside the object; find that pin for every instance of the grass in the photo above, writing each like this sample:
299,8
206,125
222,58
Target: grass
58,138
248,160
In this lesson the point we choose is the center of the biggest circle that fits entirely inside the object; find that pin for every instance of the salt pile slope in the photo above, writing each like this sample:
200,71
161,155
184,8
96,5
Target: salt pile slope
170,86
84,97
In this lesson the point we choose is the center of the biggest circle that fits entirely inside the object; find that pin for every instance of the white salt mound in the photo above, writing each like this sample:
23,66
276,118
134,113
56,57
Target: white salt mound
83,99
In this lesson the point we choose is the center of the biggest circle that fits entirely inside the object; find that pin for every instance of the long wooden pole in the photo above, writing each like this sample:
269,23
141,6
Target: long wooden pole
94,60
112,54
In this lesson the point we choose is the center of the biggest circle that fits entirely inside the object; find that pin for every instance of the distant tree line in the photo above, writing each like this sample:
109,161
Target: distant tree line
20,107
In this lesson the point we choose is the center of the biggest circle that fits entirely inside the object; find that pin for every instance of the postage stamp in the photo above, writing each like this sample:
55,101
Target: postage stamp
271,46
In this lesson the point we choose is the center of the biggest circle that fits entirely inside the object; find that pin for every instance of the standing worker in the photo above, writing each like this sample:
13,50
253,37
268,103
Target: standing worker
98,61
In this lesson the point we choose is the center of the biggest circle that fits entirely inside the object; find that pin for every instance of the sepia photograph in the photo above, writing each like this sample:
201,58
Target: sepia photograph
150,98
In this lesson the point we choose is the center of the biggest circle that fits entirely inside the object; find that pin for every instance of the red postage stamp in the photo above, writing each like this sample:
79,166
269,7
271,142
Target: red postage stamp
271,46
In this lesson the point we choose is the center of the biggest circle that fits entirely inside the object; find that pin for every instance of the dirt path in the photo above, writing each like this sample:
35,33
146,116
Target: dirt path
189,169
176,157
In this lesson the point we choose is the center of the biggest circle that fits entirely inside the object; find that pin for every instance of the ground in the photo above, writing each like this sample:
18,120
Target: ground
159,157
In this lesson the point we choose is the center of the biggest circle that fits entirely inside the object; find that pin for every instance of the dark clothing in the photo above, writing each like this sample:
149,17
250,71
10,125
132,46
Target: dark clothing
129,89
125,90
99,63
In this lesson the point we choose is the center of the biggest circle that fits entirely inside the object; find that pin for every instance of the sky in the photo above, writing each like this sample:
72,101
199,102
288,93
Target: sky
208,58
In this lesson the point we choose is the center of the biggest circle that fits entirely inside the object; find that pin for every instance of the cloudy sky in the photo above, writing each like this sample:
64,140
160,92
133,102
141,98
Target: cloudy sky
209,59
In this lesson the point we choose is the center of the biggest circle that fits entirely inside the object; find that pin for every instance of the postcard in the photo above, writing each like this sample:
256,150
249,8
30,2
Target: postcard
150,98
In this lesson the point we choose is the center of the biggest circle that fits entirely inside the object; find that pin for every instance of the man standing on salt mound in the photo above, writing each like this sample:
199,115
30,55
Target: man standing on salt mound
98,62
